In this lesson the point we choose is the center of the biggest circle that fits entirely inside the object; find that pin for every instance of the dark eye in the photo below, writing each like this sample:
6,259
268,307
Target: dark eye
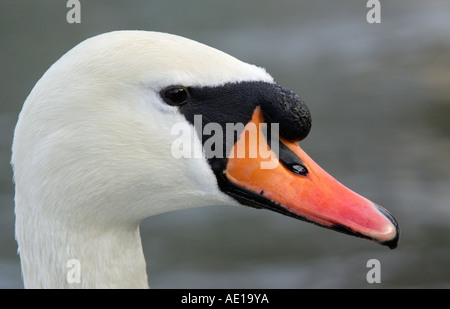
175,95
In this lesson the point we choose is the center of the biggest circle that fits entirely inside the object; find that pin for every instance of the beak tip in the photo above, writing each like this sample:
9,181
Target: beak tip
391,243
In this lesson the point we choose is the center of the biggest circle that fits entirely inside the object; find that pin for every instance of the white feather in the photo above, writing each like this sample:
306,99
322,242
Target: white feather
91,155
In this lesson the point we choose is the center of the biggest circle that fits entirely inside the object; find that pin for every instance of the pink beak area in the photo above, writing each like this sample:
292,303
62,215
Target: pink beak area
315,197
327,202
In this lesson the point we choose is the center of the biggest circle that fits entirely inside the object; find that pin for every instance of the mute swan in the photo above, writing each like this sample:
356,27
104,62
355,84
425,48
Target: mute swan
93,155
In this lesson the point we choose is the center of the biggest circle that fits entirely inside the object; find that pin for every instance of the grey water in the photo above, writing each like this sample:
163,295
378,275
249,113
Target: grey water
379,96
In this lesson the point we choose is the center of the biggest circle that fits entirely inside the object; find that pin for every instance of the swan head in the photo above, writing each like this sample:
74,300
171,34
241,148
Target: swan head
120,128
95,128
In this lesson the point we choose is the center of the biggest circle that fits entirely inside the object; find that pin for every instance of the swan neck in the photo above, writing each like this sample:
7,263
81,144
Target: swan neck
83,258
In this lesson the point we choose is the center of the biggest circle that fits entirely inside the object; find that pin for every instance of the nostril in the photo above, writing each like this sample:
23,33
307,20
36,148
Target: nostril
287,157
297,169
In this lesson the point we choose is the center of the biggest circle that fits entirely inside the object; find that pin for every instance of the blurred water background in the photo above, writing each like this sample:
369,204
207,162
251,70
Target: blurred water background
379,95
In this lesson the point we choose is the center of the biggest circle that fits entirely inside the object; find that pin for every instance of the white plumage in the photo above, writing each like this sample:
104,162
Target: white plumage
91,154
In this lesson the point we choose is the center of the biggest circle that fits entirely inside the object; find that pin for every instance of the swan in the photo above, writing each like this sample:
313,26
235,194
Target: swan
95,152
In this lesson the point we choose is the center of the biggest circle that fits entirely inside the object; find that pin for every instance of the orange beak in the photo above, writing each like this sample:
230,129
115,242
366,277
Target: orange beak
301,189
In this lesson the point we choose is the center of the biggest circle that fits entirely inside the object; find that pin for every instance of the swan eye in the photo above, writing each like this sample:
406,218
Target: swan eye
175,95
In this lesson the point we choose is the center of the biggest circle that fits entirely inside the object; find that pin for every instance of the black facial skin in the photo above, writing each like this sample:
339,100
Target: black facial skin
235,103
